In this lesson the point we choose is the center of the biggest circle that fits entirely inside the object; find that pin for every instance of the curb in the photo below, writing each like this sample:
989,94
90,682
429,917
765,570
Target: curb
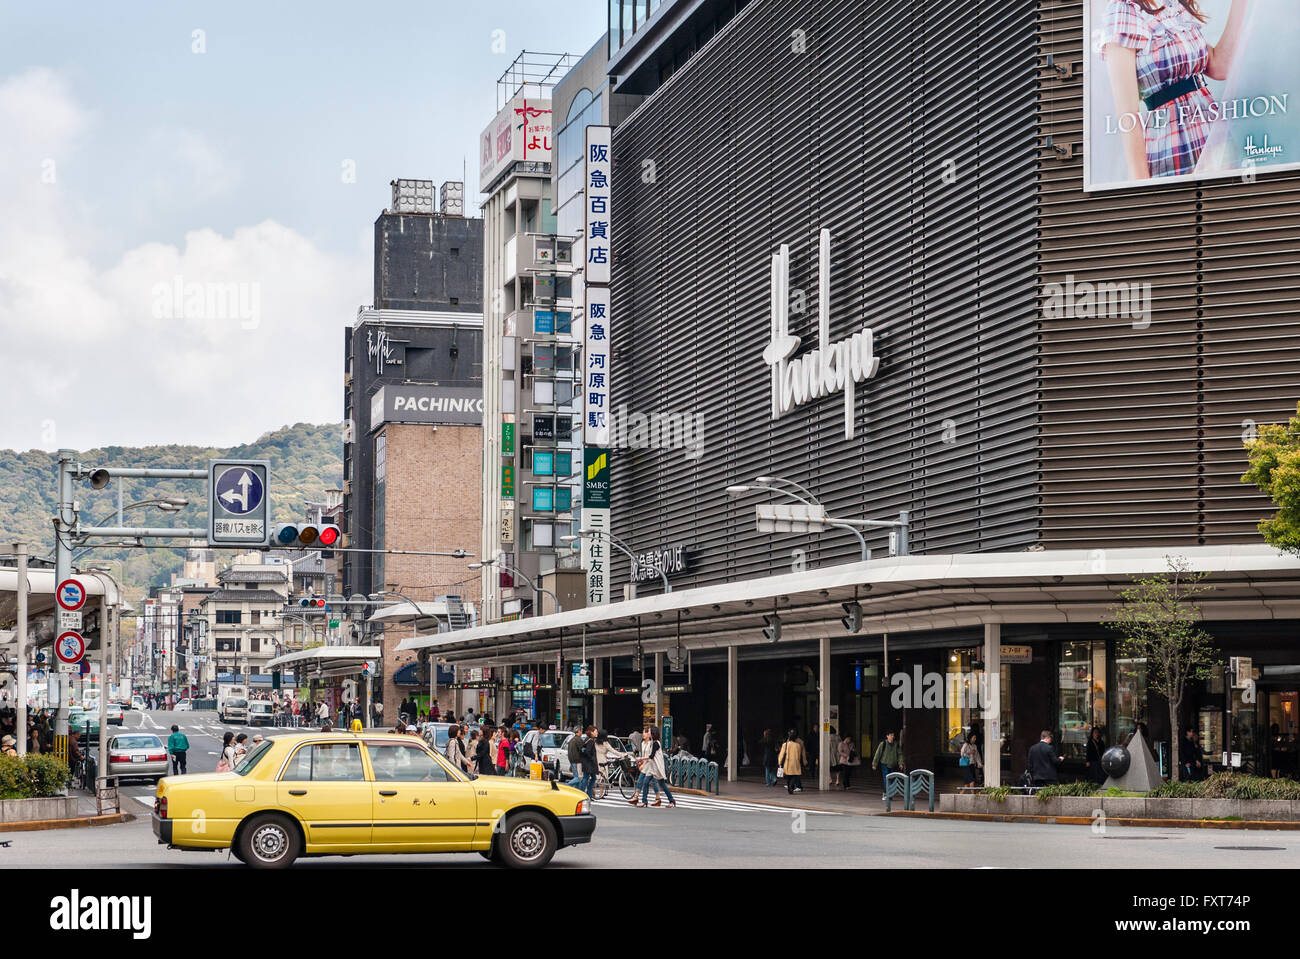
1088,821
39,825
769,803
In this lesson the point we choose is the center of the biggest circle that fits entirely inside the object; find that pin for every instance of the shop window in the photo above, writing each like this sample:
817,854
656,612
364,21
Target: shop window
1128,698
962,699
1081,692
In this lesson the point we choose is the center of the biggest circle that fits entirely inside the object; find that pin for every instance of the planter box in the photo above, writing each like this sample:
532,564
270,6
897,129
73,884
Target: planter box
1270,810
1215,808
1043,807
1084,806
29,810
948,802
1124,807
1170,809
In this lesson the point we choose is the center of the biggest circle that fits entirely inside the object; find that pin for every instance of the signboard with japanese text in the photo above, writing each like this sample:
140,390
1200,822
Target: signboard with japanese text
507,480
238,503
599,175
595,361
521,131
596,555
595,484
507,439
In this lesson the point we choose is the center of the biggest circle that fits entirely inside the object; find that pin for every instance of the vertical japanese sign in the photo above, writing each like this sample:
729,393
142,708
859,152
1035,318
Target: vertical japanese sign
595,362
599,170
595,555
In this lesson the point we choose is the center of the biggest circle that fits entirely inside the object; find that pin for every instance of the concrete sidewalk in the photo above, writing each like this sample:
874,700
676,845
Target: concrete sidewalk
861,799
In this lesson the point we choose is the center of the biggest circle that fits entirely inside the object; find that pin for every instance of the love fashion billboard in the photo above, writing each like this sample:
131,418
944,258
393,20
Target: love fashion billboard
1179,90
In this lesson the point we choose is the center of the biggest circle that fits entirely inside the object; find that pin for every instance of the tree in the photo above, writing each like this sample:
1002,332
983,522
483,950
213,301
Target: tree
1160,623
1274,456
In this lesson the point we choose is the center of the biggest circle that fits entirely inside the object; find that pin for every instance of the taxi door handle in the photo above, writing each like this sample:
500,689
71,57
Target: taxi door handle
297,792
388,792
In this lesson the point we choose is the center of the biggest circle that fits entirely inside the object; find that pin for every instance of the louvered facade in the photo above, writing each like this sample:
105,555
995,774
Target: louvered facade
918,138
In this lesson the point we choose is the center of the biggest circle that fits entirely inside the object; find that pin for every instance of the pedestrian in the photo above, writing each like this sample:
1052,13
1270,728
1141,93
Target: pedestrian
1092,756
836,767
1189,756
848,758
652,769
888,757
7,744
791,760
226,762
588,761
971,760
178,746
435,714
573,752
471,750
241,747
323,714
769,758
1043,761
707,741
457,754
503,751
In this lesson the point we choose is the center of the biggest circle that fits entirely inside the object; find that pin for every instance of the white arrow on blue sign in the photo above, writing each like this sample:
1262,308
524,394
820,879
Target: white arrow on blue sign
239,490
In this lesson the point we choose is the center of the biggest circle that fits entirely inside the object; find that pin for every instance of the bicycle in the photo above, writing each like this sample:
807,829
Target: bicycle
617,772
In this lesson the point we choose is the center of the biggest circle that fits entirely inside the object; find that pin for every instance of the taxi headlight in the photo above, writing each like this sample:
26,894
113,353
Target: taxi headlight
584,807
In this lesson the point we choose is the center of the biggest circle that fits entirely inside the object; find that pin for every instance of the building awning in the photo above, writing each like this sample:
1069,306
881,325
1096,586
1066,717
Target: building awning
424,613
327,660
898,595
40,600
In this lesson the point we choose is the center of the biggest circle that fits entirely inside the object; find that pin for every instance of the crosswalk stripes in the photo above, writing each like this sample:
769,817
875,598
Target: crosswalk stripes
719,804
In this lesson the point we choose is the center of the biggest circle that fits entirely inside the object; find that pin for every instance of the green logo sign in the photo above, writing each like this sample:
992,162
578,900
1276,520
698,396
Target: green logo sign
507,439
507,480
595,486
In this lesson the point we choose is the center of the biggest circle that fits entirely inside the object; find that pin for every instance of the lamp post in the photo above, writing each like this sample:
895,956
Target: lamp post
803,496
561,693
415,631
621,547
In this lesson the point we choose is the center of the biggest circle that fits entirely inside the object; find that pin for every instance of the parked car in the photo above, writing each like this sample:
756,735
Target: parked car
342,794
260,713
184,706
137,755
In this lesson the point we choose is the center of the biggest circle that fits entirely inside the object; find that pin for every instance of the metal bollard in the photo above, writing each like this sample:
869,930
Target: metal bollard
897,785
918,781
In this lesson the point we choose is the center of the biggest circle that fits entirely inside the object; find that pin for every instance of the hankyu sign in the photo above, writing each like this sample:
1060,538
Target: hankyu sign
599,176
829,368
439,405
596,356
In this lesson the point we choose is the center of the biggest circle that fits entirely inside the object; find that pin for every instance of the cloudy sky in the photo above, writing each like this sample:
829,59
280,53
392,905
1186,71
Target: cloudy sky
249,161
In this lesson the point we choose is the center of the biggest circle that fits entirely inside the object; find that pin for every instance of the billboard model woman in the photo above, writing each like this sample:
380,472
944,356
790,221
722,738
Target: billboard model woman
1157,58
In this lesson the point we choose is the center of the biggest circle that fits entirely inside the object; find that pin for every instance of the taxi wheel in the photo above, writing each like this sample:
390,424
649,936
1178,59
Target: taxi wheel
268,842
528,841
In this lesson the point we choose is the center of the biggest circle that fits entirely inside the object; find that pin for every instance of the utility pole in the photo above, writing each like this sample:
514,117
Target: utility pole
20,553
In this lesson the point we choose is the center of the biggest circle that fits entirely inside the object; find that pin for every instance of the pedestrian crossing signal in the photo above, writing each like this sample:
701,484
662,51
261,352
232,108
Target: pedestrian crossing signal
852,619
772,631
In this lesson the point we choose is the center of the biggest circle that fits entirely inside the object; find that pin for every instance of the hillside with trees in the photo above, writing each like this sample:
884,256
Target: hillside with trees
306,459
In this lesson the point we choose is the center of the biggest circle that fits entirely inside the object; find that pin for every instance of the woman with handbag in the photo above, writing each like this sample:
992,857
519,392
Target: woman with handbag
226,762
848,758
791,760
970,758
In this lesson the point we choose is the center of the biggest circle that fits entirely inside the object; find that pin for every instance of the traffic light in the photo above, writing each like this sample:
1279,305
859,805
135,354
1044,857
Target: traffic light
852,617
772,631
305,535
312,602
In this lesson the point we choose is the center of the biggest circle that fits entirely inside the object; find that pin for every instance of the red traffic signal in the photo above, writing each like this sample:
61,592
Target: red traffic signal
305,535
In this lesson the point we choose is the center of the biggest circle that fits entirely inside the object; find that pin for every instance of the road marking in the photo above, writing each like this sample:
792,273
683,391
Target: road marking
708,803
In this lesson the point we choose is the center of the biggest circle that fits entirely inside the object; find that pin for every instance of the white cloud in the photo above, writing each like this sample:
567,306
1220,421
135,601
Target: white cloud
109,353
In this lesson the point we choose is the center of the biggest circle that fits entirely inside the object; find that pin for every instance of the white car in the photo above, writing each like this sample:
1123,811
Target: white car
137,702
184,706
114,714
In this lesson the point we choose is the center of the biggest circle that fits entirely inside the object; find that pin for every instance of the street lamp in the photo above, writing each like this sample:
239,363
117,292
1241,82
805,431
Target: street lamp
618,544
803,496
559,608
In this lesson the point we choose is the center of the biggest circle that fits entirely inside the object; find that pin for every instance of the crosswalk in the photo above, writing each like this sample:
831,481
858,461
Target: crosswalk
718,804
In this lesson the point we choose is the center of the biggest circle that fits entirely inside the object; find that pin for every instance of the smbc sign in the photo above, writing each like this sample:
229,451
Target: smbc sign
595,482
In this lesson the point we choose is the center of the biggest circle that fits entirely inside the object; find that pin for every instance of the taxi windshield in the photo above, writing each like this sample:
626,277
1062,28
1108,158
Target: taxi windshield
253,757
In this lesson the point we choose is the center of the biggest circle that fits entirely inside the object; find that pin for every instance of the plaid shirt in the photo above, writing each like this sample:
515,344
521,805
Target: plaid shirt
1170,47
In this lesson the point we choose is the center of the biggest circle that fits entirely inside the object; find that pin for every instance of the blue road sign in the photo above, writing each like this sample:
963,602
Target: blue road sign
239,490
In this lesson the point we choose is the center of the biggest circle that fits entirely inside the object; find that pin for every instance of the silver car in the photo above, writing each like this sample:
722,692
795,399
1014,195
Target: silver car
137,755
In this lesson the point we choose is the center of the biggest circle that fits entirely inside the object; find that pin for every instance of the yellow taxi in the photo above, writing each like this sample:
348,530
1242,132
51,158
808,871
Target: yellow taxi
323,794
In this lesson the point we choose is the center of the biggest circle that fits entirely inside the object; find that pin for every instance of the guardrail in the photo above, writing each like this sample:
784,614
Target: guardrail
692,773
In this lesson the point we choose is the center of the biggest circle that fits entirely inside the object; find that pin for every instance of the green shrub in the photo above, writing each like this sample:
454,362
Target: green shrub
1067,789
998,793
47,776
1226,785
13,778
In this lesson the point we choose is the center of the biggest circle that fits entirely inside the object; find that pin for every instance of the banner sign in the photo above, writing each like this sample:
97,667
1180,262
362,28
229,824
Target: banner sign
595,483
440,405
596,370
507,439
1154,114
595,555
600,175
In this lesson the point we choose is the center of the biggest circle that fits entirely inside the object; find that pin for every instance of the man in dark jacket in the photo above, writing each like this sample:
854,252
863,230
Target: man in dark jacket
1189,757
574,751
590,768
1043,761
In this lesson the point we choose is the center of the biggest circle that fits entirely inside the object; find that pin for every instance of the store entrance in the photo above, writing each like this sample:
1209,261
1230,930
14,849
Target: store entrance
1282,727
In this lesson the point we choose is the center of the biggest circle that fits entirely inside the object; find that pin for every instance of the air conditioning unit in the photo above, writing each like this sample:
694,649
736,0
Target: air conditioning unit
348,431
